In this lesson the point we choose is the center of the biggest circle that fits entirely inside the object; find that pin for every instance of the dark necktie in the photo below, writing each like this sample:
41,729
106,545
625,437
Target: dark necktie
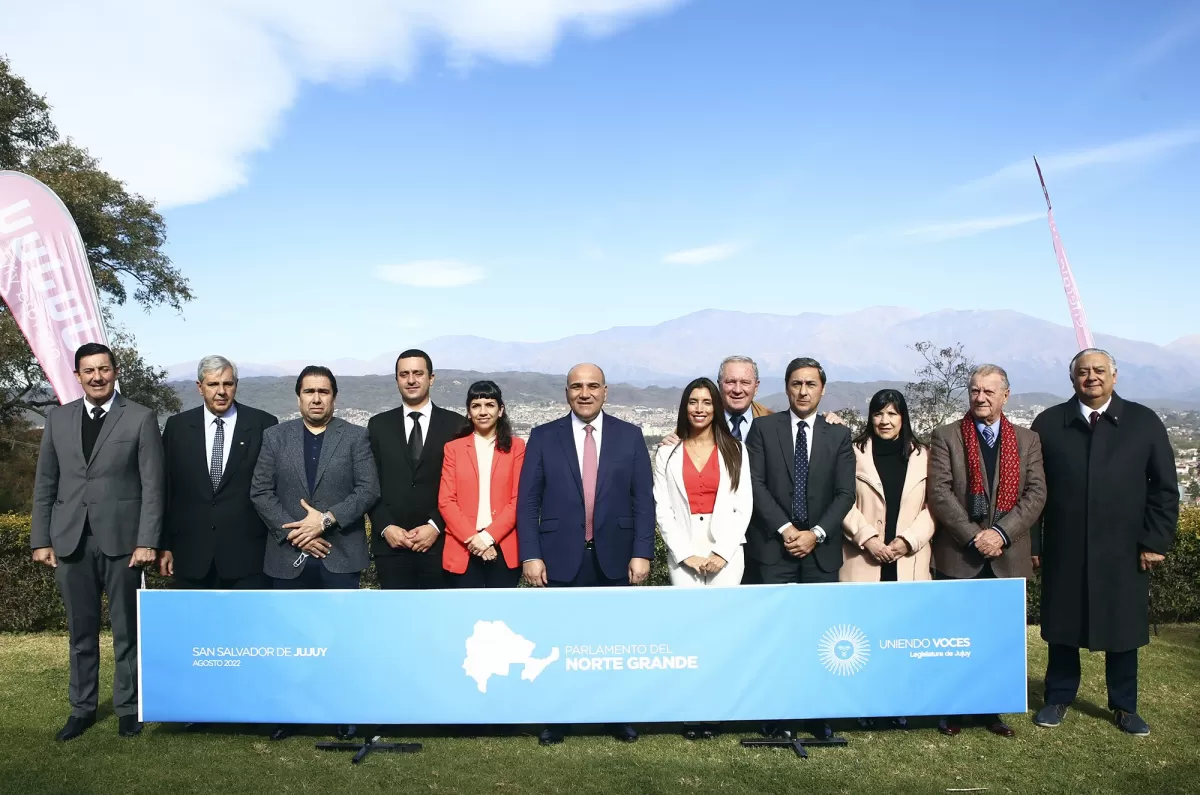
989,436
218,453
735,422
416,442
98,412
1093,418
800,470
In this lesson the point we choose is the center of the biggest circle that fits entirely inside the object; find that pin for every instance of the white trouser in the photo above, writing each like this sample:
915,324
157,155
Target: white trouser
682,575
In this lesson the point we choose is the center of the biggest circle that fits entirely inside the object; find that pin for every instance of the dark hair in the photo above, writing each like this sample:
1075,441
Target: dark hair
729,447
413,353
881,400
800,364
93,349
488,390
316,369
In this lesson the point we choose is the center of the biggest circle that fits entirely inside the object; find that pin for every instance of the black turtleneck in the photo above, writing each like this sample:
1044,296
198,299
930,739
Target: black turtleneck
892,467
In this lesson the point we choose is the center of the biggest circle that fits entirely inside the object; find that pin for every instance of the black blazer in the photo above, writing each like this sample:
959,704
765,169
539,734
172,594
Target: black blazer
830,487
408,497
201,526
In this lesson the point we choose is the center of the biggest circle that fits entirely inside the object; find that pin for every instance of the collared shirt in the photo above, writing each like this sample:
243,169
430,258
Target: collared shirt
808,436
210,434
580,434
747,421
1087,413
425,413
106,406
995,426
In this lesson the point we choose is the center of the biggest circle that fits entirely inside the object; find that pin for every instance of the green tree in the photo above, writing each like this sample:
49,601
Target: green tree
1193,490
939,393
854,421
122,233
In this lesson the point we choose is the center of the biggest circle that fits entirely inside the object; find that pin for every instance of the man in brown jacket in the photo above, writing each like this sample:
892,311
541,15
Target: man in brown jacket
986,488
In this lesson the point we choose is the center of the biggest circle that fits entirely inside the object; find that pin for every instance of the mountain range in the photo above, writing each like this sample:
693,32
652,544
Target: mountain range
865,346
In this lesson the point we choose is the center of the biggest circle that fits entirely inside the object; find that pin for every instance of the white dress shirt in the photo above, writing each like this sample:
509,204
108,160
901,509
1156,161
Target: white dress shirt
1087,413
106,406
210,435
484,450
808,435
424,414
580,435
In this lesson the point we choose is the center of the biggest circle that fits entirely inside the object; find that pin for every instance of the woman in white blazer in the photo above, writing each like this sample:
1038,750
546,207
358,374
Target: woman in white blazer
702,493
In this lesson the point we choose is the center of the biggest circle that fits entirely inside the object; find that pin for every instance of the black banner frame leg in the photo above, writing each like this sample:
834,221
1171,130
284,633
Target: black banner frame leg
798,744
368,745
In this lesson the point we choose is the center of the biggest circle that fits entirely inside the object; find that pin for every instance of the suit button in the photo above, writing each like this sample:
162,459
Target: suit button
213,528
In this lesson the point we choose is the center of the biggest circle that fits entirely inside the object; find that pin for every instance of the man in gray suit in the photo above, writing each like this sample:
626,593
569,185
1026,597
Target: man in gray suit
97,517
313,483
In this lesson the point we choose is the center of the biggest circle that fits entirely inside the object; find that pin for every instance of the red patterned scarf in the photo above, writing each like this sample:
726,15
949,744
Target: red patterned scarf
1008,489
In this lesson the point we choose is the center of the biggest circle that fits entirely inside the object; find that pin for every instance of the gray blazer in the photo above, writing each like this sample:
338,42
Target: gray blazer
347,485
119,491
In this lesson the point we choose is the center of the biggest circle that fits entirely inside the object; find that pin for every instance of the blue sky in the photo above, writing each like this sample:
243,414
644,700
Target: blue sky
749,155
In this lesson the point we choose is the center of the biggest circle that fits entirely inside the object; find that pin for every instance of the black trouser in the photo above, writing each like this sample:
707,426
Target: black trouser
214,581
795,570
486,574
406,570
82,577
1120,674
315,577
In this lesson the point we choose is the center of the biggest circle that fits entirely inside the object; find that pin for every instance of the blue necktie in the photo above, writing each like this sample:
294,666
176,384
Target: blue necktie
736,420
800,488
989,436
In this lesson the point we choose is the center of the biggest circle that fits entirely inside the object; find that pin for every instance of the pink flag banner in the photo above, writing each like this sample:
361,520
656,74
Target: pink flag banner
1083,334
45,279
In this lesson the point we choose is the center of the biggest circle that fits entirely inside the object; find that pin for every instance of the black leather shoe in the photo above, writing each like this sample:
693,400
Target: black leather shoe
948,728
550,736
709,731
900,723
129,726
866,724
821,730
626,734
281,733
75,726
346,731
1000,728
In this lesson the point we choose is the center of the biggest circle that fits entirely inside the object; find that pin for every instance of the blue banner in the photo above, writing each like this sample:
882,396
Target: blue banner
588,655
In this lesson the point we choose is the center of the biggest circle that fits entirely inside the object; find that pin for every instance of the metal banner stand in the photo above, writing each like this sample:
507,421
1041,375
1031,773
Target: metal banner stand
367,746
789,739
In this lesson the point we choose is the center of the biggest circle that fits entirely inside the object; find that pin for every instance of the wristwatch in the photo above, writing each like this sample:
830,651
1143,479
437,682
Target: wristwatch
327,521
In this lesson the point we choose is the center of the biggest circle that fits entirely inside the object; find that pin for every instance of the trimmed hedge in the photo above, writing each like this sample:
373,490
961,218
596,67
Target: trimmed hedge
29,599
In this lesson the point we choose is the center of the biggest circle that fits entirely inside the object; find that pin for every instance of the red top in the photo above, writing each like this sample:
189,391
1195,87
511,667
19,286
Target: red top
701,485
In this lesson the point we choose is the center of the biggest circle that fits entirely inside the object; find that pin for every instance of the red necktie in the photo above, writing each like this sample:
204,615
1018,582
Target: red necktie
591,464
1094,418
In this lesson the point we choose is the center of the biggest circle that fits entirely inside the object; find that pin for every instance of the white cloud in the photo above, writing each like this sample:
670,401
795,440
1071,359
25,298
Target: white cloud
431,273
702,255
1130,150
950,230
175,97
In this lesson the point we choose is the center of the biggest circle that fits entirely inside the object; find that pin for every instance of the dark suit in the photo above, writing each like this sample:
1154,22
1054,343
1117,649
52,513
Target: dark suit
217,538
409,496
831,494
94,511
550,507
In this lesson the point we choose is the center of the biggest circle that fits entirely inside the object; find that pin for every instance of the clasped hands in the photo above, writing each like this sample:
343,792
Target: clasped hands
799,543
306,533
989,543
479,546
887,553
418,539
706,565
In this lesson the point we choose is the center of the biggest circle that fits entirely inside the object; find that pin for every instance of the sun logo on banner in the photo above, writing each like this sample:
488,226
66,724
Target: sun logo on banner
844,649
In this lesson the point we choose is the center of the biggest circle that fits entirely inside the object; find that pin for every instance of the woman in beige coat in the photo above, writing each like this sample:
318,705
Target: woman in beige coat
886,534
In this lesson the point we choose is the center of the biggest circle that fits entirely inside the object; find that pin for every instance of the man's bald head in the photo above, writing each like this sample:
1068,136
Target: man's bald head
586,391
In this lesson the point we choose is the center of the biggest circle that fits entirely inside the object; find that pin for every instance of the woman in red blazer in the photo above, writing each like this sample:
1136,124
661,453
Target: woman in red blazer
478,495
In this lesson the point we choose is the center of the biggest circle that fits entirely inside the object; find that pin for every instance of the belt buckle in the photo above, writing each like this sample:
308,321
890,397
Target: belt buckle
589,544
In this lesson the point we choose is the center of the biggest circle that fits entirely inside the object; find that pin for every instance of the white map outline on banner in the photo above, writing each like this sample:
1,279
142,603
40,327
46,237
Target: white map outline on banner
493,648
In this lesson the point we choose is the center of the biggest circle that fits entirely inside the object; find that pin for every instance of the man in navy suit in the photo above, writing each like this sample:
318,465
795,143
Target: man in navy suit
585,504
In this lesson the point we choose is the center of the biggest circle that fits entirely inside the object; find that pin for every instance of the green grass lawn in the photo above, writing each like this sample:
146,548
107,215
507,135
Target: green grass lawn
1086,755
